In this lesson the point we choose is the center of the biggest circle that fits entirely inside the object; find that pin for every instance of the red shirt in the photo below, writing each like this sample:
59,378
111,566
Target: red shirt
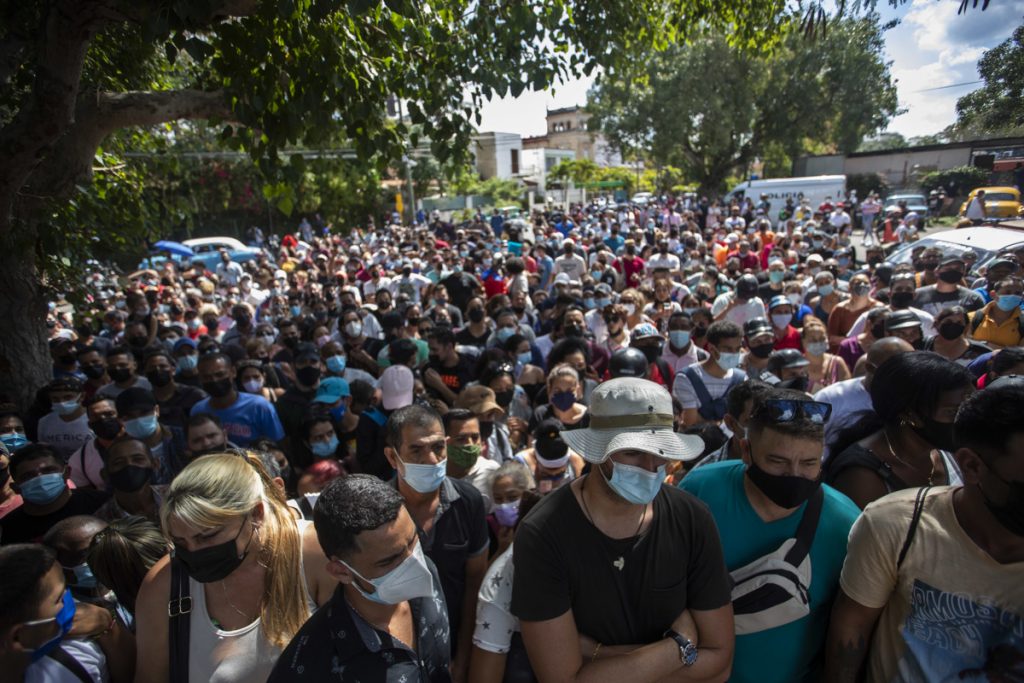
630,269
790,340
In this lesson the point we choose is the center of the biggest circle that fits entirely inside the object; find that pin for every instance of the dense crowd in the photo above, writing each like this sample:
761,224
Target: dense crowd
674,441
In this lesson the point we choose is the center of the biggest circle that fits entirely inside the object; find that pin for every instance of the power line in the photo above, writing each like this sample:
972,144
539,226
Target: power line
955,85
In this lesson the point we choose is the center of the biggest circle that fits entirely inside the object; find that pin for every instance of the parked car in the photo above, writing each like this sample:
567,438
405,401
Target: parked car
907,202
1000,202
206,252
984,241
642,198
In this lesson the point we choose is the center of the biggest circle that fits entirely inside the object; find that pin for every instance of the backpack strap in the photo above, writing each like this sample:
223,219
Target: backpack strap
666,372
808,527
703,395
179,612
915,518
61,656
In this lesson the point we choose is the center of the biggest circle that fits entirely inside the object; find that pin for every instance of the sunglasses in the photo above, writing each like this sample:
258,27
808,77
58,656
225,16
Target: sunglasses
787,410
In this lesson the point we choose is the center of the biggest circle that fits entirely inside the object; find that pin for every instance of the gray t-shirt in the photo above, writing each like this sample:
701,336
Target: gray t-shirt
684,392
113,391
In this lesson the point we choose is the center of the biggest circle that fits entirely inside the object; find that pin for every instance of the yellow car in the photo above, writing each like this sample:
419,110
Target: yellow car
1000,202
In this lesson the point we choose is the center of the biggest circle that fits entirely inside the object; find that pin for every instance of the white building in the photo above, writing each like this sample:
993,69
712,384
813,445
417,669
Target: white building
498,155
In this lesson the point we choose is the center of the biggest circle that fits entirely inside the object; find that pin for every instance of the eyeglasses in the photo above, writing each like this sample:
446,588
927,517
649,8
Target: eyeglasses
788,410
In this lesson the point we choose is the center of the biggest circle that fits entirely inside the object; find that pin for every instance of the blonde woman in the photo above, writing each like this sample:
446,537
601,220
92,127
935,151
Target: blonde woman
634,303
565,396
825,368
254,574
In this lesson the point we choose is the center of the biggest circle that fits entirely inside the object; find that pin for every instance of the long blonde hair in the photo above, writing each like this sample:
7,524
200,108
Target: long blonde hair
217,489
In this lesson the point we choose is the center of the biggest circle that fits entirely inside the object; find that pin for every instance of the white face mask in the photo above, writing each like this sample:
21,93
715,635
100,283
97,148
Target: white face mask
411,579
354,328
253,386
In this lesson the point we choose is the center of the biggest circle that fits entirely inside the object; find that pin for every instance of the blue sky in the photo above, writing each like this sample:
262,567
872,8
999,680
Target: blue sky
931,47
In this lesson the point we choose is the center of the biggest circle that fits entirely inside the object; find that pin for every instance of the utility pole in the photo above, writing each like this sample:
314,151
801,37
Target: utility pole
408,170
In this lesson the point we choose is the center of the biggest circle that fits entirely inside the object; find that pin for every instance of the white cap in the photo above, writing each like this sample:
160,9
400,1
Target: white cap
396,384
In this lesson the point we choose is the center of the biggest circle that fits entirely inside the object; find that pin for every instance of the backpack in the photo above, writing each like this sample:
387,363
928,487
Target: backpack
774,590
712,408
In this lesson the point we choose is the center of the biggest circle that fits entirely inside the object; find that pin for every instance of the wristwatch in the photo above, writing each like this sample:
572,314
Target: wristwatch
687,650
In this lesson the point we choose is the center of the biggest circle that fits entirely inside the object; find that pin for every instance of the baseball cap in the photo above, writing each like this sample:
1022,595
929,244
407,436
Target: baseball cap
644,331
184,341
786,358
396,387
779,300
629,413
898,320
306,351
478,399
331,389
562,279
757,326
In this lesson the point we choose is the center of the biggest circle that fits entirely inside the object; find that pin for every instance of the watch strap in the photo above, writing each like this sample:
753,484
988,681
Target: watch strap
687,650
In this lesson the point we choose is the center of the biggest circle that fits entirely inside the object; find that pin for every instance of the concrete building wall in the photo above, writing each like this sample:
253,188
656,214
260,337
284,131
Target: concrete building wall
499,155
902,167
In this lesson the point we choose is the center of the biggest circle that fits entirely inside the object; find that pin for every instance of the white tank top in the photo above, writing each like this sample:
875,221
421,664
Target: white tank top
239,656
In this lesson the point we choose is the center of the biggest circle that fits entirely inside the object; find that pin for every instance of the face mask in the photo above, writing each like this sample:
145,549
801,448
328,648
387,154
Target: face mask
325,449
338,412
218,388
825,290
507,514
295,311
187,363
776,276
784,490
131,478
843,262
728,361
635,484
563,400
794,299
464,456
573,331
411,579
878,330
901,299
761,351
651,353
630,308
476,315
141,427
322,340
424,478
354,328
253,386
159,378
120,375
951,331
308,375
587,303
951,277
93,371
679,338
816,348
504,333
138,342
267,339
14,441
1010,513
781,320
524,358
65,407
63,620
84,578
44,489
486,429
336,364
215,563
1008,302
938,434
504,398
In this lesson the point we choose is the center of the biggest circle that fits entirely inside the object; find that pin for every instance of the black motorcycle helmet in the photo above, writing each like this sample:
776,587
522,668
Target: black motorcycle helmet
628,362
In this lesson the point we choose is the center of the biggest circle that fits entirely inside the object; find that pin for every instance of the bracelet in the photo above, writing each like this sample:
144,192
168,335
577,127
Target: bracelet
593,657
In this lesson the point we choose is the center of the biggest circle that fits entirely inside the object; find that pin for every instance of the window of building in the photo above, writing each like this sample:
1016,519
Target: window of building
515,161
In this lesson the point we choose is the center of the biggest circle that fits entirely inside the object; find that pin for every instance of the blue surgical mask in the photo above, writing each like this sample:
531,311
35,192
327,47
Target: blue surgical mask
338,412
336,364
44,489
187,363
635,484
825,290
424,478
504,333
14,441
1008,302
588,303
84,578
65,407
816,348
601,303
141,427
63,620
524,358
776,276
729,361
296,310
325,449
679,338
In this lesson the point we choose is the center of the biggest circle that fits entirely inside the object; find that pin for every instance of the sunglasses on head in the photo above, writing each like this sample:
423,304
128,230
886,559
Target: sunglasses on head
789,410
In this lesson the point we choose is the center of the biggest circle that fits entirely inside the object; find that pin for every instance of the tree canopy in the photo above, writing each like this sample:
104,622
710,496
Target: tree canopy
996,108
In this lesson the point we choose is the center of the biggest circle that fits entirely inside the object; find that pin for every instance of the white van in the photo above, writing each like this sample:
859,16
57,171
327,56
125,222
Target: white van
815,188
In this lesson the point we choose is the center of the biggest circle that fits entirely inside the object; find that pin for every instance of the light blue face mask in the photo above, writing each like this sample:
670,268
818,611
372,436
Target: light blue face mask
84,578
1008,302
588,304
187,363
65,407
635,484
825,290
141,427
424,478
337,364
504,333
601,303
325,449
679,338
524,358
729,361
44,489
14,441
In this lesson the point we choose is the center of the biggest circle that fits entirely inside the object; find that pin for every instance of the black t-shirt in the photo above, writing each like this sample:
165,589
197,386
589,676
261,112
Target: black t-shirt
461,287
620,591
455,378
174,411
466,338
545,411
18,526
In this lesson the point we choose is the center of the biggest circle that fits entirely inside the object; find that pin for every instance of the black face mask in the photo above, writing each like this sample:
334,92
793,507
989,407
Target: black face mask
929,265
290,342
573,331
216,562
106,428
504,398
761,350
651,353
951,331
137,342
476,315
218,388
798,383
938,434
159,378
486,429
131,478
67,359
93,371
243,320
878,330
1010,513
862,290
901,299
951,276
699,332
120,374
5,474
784,490
918,344
308,375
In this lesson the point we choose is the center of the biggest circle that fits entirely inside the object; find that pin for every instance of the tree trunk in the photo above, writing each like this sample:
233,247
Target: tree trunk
24,358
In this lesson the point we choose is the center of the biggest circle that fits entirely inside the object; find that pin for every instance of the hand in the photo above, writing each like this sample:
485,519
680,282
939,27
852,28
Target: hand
460,668
90,620
686,626
517,424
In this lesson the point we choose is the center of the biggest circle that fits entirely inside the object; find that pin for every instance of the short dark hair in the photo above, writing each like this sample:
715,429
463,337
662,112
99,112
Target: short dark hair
120,351
154,351
349,506
199,419
914,381
1007,358
217,355
414,415
457,415
723,329
751,389
987,419
443,335
361,390
30,452
23,566
123,439
801,427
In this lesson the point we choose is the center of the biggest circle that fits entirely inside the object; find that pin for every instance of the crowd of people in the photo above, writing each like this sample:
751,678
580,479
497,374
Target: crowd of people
679,441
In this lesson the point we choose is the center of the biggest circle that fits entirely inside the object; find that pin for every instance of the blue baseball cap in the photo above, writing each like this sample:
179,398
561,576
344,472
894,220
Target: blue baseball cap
184,341
331,390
